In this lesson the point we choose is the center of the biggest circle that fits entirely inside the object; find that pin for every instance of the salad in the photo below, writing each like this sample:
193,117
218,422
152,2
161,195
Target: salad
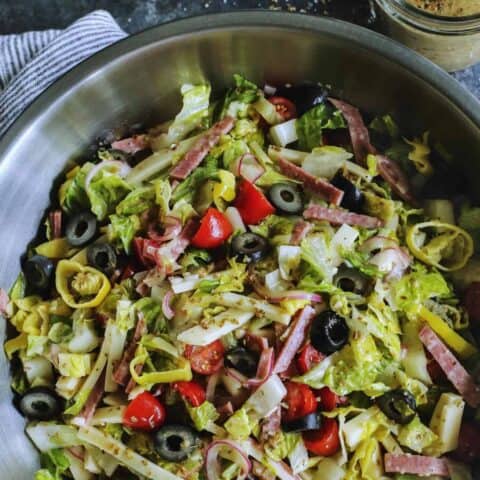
270,285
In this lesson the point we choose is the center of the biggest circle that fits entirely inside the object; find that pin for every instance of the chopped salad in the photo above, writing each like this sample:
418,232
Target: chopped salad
269,285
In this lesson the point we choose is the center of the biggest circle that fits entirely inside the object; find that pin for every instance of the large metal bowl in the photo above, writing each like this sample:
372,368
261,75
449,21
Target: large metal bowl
138,80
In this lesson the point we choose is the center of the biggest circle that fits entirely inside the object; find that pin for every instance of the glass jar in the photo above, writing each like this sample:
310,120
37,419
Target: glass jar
453,42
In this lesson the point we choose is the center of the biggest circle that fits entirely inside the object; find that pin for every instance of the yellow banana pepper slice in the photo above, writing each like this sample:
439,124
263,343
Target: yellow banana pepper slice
15,344
80,286
224,190
56,248
448,249
455,341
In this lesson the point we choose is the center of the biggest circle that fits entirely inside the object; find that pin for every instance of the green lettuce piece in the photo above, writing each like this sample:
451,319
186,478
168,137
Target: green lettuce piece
416,436
73,197
36,345
149,308
55,463
270,177
195,258
366,462
239,97
276,228
76,365
417,287
163,195
311,124
208,171
385,125
317,254
188,469
280,445
106,192
60,332
379,207
137,201
115,430
202,415
359,261
234,150
124,229
18,288
240,425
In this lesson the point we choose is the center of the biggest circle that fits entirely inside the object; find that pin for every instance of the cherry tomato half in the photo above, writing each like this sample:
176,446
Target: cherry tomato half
468,448
252,203
144,413
328,399
193,392
307,358
472,302
214,230
284,107
206,360
300,401
324,441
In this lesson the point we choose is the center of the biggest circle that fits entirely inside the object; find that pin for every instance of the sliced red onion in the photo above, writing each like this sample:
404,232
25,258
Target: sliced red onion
77,452
226,409
236,375
172,228
212,383
264,368
391,261
256,342
269,89
295,295
248,167
233,452
377,242
166,305
122,168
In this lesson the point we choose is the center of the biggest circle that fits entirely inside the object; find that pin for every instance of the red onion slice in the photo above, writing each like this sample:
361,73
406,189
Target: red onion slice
377,242
232,451
264,369
212,383
391,261
256,342
166,305
172,228
248,167
122,169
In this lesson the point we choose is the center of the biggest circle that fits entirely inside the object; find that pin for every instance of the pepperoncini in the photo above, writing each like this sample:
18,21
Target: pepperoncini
224,190
56,248
420,154
441,245
80,286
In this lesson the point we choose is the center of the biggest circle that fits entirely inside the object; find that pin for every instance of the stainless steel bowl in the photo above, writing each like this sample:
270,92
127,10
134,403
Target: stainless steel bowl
138,80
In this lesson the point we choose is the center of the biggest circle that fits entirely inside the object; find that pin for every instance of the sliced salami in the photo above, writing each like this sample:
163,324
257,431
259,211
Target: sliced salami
294,340
92,402
131,144
452,368
391,172
300,231
200,149
415,464
317,186
359,135
339,217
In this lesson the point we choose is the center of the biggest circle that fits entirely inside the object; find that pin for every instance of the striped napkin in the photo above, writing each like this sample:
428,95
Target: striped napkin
30,62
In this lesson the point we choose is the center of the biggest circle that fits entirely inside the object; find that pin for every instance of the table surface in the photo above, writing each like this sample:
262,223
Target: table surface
134,15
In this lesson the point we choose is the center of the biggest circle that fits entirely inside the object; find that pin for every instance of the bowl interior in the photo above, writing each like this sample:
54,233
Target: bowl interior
138,80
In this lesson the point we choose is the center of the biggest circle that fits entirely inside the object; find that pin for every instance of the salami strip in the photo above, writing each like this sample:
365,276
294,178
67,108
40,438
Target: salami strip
294,340
131,144
452,368
359,135
396,178
200,149
415,464
121,374
92,402
300,231
55,219
316,185
339,217
271,425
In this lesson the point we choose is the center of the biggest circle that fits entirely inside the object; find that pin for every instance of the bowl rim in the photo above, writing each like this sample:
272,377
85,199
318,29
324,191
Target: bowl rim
392,50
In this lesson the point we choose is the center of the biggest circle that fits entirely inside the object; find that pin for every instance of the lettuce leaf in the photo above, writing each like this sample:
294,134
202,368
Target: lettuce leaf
72,194
311,124
416,436
317,254
54,463
359,261
202,415
150,310
239,97
240,425
123,229
137,201
280,445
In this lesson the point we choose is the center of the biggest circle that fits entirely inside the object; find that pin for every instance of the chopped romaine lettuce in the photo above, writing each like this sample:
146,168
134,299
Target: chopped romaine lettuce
202,415
360,261
74,365
240,425
123,229
317,254
281,445
72,194
54,463
239,98
137,201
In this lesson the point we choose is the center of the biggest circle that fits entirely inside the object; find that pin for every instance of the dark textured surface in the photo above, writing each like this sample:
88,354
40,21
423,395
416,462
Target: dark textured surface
134,15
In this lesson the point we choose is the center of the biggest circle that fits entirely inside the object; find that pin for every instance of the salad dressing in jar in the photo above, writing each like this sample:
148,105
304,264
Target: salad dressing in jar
445,31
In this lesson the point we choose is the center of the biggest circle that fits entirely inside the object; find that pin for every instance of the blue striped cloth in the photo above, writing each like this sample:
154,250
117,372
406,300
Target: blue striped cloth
30,62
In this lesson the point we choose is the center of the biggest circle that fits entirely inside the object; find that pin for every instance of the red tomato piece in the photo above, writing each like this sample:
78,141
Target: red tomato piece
206,360
472,302
193,392
324,441
307,358
328,399
300,401
468,448
284,107
214,230
144,413
252,203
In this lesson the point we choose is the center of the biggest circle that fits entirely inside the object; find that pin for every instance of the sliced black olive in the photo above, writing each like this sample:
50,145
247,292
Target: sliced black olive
353,198
304,95
398,405
81,228
38,272
329,332
242,360
40,403
102,256
351,280
249,246
312,421
175,442
286,197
